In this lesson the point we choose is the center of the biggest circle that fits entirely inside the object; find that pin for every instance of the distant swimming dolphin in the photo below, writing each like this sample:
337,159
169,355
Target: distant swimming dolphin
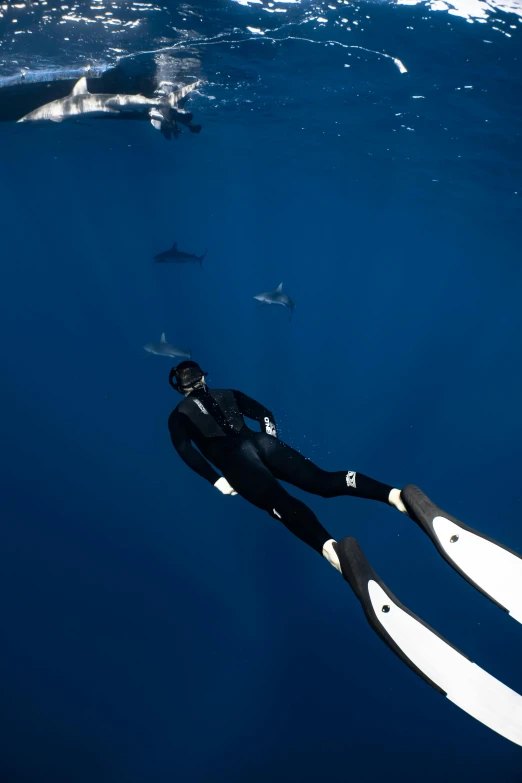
163,110
163,348
175,256
277,297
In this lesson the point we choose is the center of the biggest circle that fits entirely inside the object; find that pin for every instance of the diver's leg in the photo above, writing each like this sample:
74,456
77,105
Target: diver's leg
289,465
253,481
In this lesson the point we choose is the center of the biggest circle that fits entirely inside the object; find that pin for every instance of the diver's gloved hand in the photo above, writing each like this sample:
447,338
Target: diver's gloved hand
224,487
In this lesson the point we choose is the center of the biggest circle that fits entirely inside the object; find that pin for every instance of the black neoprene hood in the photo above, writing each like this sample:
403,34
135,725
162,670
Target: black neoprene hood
185,374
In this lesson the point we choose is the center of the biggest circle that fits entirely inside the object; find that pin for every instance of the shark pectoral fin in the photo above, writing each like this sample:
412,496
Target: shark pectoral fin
156,119
80,88
163,339
56,119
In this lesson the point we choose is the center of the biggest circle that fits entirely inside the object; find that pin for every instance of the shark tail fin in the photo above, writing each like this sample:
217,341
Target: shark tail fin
163,339
80,88
200,259
279,288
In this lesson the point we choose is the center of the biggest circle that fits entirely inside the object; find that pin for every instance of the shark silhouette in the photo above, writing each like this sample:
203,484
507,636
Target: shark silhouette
163,111
175,256
163,348
276,297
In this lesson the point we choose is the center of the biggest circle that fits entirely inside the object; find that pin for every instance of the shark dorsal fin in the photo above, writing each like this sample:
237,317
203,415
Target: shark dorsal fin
163,339
80,88
279,288
174,246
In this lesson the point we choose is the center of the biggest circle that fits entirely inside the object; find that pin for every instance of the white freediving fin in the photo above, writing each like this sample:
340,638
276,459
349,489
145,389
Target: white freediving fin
489,566
427,653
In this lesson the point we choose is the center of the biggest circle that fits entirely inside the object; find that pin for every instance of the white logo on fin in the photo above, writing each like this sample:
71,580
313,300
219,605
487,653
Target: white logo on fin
80,88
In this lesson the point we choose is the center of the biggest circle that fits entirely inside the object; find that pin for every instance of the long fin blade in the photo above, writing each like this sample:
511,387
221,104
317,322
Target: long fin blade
490,567
427,653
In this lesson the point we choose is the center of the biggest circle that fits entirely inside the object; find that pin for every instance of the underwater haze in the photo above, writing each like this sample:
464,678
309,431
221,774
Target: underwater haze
368,156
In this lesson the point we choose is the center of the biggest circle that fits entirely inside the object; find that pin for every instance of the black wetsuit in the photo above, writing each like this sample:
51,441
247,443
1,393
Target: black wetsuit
254,462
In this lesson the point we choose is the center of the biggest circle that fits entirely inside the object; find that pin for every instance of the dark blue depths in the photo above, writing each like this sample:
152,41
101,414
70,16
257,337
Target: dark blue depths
153,630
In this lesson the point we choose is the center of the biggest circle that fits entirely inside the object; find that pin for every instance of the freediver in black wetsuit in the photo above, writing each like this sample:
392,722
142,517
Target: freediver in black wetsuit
252,463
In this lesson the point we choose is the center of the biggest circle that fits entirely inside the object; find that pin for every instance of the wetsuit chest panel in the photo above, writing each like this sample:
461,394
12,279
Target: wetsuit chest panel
214,413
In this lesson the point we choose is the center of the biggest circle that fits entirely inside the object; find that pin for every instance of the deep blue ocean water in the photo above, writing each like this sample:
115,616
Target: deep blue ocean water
152,629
